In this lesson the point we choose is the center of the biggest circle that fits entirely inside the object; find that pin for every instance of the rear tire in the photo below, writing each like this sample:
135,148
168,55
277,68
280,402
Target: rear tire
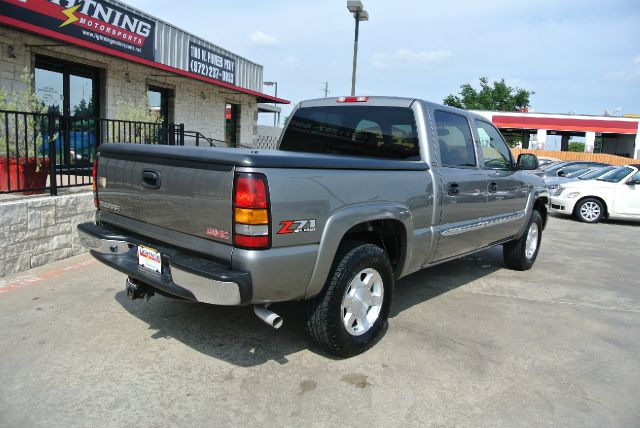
353,307
521,254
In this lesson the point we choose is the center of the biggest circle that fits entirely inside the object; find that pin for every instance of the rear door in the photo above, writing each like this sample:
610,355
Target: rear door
463,186
507,189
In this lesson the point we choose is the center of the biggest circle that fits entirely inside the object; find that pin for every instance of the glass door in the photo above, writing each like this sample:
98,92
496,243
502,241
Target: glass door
70,90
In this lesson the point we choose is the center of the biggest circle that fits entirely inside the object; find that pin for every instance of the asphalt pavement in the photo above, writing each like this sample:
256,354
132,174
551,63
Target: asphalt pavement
469,343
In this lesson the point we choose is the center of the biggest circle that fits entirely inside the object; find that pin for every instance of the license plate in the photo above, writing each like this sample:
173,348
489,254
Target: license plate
149,258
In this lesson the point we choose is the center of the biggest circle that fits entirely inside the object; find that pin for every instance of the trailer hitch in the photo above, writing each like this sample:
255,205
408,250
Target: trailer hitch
137,289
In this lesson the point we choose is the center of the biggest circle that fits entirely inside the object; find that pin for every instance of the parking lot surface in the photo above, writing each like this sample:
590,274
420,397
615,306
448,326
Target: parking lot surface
469,343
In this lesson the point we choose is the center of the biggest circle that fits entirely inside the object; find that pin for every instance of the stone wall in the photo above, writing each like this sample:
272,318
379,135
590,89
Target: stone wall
199,105
36,231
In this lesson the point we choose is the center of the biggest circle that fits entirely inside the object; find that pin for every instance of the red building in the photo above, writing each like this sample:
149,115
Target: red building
602,134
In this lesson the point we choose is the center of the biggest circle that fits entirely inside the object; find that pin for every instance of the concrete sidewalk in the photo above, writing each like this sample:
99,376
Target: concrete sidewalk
469,343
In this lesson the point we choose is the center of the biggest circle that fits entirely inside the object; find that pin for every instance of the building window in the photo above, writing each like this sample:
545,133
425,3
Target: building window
70,90
232,124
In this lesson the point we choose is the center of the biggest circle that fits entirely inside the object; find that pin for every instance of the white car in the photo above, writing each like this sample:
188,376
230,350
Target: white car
615,195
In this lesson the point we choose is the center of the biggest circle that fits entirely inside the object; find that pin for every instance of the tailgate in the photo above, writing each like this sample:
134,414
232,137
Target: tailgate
165,190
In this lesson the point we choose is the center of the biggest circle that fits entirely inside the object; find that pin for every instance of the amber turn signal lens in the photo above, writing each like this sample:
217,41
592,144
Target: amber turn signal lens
248,216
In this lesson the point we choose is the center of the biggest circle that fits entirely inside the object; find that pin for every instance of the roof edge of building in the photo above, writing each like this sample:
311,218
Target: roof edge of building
39,31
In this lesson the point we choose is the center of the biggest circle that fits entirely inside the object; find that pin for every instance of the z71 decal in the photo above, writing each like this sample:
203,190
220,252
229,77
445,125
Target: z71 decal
296,226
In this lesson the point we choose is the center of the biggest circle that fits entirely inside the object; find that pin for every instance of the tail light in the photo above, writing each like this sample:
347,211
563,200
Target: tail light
251,212
94,176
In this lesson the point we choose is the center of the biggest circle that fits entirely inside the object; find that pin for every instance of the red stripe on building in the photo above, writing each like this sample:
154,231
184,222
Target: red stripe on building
111,52
566,124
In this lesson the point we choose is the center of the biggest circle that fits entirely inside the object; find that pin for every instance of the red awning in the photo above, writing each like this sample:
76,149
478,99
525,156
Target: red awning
566,124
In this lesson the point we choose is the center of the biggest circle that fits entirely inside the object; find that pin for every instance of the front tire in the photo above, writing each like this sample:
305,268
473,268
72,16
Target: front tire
589,210
353,307
521,254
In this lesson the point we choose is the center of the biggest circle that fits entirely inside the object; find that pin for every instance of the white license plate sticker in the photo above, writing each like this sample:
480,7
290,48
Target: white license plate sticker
149,258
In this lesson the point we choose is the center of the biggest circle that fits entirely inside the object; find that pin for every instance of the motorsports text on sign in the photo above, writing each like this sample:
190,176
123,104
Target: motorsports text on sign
95,21
205,62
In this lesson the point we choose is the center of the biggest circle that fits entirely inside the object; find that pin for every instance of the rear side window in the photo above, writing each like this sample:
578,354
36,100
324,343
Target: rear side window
377,132
454,139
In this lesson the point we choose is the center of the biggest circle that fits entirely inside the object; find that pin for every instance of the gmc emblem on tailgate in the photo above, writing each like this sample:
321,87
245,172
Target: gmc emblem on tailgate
217,233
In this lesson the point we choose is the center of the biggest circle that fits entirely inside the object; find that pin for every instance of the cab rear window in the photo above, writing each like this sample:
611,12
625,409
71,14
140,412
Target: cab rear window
377,132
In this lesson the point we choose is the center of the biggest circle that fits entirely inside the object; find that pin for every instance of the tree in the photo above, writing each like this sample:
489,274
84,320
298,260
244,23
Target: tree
576,146
498,97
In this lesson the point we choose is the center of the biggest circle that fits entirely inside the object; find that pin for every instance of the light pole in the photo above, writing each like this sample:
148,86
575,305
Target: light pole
356,8
274,104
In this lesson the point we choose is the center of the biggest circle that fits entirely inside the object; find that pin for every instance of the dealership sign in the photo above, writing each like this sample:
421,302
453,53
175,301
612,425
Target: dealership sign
95,21
207,63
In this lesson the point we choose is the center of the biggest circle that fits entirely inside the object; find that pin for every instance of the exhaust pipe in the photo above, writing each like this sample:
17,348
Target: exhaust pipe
268,316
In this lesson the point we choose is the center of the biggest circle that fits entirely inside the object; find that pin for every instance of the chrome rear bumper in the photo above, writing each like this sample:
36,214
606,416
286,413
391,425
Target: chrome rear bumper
183,275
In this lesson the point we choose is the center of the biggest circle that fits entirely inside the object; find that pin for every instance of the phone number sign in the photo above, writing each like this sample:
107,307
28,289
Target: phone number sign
205,62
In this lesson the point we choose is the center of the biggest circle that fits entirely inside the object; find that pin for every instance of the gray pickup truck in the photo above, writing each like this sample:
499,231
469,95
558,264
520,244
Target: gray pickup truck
361,192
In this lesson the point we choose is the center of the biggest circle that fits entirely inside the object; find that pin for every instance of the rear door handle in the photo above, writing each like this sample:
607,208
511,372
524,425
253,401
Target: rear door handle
493,187
454,189
151,179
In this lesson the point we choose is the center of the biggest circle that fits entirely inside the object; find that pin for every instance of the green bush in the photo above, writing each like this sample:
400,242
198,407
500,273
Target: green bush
147,122
21,130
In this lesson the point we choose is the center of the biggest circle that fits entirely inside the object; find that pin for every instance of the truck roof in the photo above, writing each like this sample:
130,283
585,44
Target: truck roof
385,101
371,100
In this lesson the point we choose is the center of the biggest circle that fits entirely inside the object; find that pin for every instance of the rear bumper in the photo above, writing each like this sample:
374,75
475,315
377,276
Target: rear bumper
184,275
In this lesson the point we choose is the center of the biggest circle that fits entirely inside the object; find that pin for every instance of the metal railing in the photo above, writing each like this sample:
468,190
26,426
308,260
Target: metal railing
25,158
199,139
46,152
126,131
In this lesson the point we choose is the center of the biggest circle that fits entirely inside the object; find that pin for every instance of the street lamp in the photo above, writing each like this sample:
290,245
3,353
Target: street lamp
276,95
356,8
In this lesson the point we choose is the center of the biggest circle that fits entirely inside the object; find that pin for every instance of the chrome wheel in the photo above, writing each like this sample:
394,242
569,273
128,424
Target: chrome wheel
362,302
532,241
590,211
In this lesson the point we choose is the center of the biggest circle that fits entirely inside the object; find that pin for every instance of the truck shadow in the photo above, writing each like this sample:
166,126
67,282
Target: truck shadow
235,335
428,283
232,334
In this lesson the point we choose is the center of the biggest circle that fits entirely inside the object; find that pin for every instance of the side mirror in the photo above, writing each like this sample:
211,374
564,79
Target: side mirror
527,161
633,182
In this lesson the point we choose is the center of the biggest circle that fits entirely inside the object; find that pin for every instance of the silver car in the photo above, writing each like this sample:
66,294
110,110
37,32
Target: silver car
581,174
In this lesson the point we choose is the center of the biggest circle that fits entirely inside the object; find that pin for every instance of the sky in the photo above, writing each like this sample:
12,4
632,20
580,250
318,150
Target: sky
577,56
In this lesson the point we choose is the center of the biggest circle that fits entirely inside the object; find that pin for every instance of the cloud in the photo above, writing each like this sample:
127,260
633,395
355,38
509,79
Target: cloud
291,61
624,75
263,39
405,58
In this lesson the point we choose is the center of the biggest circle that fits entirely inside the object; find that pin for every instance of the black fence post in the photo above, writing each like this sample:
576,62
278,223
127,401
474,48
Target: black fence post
181,134
171,129
53,184
98,132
